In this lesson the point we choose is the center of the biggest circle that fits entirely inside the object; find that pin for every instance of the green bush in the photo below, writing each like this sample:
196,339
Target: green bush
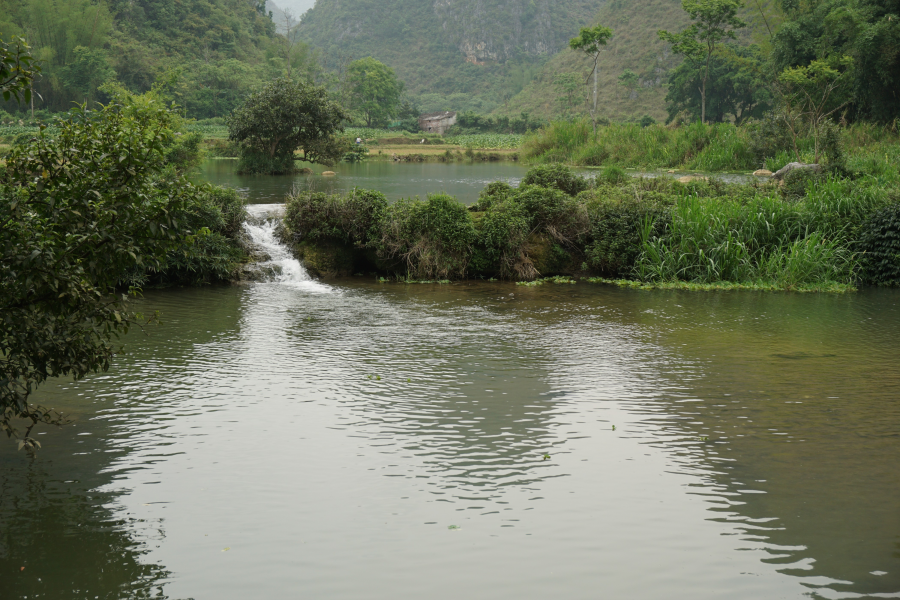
213,252
879,246
553,212
428,240
556,176
353,218
616,228
613,175
494,192
502,233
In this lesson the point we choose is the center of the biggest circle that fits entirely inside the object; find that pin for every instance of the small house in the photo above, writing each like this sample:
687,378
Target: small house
438,122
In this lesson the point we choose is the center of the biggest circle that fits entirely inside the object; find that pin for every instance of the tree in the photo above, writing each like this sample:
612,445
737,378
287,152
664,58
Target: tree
811,94
81,212
591,42
738,88
629,80
567,85
283,117
868,31
374,90
17,70
713,22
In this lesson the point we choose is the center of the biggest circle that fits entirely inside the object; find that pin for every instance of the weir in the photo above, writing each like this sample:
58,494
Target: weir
279,264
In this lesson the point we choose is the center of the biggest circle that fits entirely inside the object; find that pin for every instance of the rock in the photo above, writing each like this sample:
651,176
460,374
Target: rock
690,178
780,173
670,171
326,259
328,173
762,173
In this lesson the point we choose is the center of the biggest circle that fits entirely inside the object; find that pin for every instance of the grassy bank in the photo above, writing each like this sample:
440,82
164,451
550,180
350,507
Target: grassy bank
815,233
720,147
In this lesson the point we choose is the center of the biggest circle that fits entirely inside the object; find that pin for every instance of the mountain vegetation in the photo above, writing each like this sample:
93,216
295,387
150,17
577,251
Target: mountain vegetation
211,52
458,55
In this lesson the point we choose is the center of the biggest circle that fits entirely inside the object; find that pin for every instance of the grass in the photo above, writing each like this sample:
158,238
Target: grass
720,147
725,286
867,148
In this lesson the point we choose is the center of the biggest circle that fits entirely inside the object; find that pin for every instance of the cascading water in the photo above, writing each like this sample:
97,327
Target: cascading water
281,265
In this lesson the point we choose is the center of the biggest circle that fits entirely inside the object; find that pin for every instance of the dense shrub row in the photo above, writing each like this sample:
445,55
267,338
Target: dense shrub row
824,230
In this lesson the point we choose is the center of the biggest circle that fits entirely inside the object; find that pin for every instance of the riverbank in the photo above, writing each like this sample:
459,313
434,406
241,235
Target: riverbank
861,147
814,233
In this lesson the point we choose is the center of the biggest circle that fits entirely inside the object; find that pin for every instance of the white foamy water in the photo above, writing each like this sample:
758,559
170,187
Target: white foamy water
285,268
265,211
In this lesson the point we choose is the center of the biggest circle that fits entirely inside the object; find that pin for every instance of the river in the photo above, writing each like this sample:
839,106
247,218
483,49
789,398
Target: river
357,439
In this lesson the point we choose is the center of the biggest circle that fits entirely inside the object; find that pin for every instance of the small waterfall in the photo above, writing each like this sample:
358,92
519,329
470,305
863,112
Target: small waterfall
280,265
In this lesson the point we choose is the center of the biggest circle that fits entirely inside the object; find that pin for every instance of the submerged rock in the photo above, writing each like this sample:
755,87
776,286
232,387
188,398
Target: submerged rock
762,173
690,178
795,166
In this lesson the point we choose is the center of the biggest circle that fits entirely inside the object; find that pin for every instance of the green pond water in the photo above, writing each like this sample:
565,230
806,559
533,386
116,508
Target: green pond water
395,180
463,180
355,439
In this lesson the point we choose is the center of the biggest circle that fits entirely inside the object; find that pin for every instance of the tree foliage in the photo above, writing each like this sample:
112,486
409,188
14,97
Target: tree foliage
738,88
17,70
591,41
374,91
285,116
868,31
713,21
81,212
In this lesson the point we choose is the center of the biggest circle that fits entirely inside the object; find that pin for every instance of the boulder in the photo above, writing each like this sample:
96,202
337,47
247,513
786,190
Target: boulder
794,166
328,173
762,173
690,178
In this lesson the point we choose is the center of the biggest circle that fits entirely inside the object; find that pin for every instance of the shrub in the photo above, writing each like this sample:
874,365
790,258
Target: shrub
555,176
551,211
257,163
431,239
768,136
613,175
616,228
494,192
502,232
879,247
353,218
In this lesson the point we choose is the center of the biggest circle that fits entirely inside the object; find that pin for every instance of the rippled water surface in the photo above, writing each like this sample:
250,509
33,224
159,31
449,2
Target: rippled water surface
353,439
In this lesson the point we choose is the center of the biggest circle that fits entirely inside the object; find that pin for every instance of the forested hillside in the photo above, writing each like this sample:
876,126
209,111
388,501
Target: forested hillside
211,52
451,54
634,46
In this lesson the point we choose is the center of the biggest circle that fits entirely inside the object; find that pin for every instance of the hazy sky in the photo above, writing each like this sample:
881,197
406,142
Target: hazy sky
297,7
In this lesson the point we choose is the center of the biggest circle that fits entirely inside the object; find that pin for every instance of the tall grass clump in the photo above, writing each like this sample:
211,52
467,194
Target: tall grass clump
705,147
760,239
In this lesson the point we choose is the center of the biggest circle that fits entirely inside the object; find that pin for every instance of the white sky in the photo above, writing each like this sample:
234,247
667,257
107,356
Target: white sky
297,7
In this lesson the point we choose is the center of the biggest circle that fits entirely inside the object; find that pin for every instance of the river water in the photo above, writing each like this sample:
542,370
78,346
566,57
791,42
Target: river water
463,180
356,439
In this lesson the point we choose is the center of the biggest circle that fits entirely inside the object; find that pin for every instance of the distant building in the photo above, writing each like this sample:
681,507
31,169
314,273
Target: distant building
438,122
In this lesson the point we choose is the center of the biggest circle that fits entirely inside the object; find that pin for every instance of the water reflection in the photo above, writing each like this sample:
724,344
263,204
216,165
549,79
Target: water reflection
395,180
274,440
